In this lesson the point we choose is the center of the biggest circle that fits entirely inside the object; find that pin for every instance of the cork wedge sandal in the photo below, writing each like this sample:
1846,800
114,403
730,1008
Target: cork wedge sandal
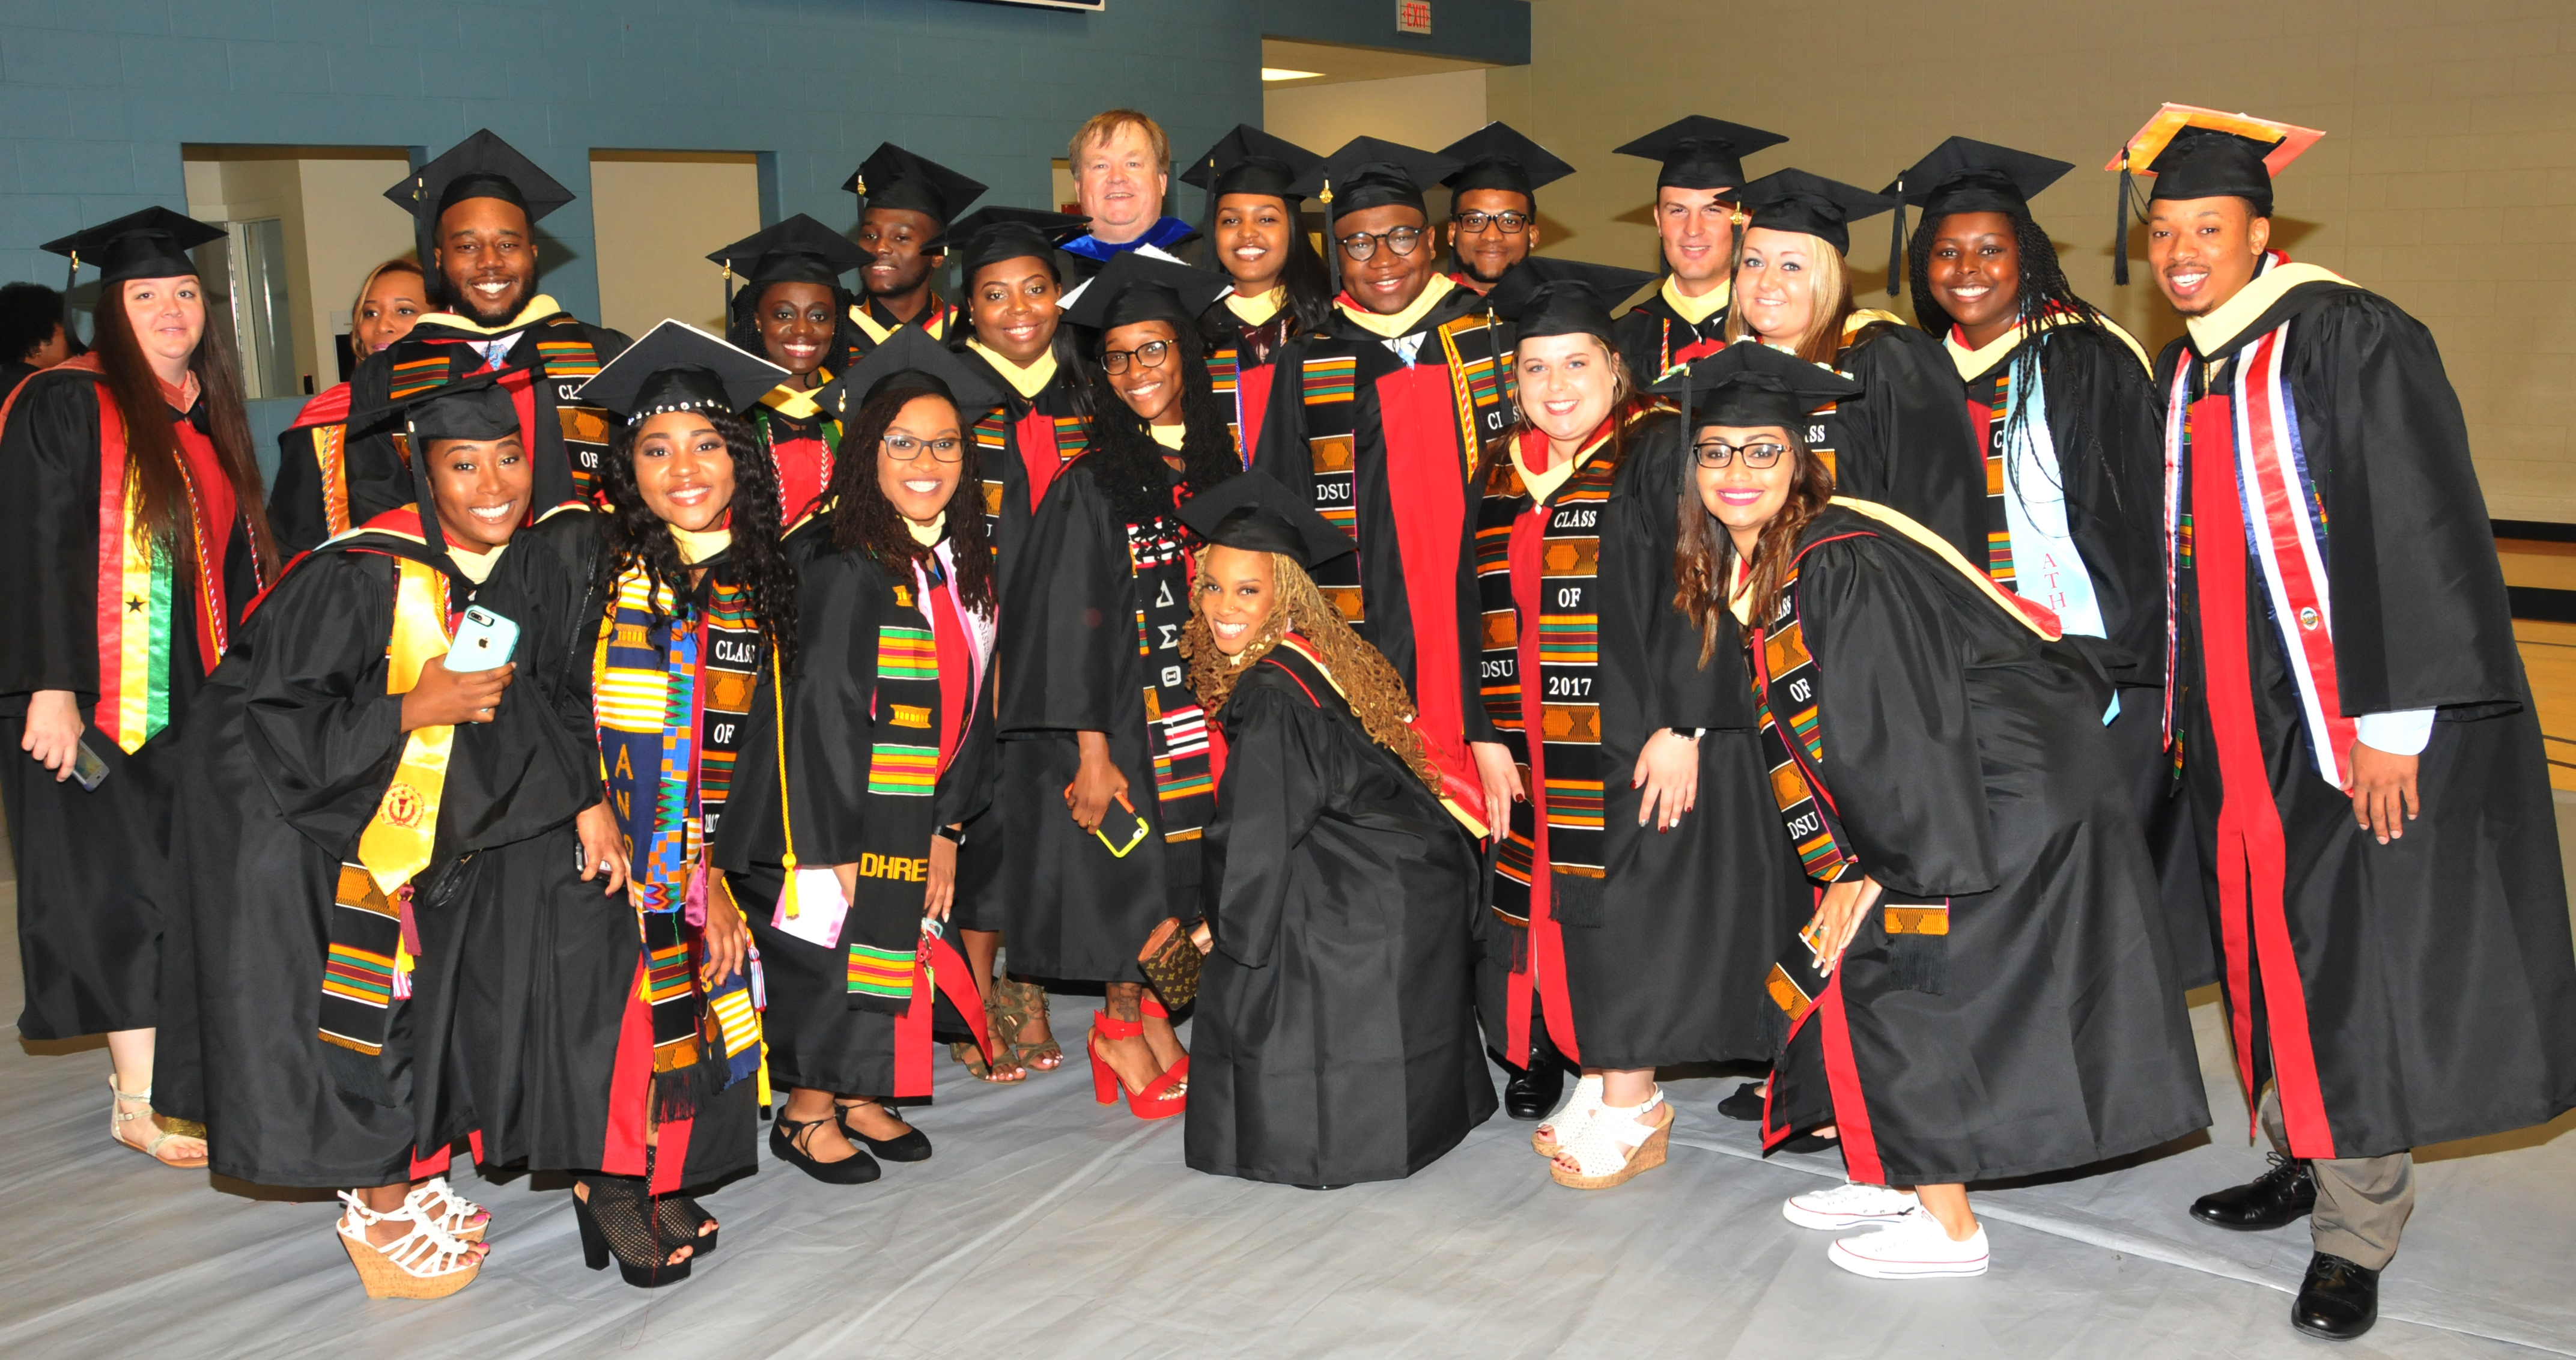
424,1263
1570,1118
1616,1146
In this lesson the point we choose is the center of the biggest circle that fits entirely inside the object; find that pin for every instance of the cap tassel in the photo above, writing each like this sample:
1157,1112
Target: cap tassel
2120,227
1209,254
1896,246
70,276
1332,247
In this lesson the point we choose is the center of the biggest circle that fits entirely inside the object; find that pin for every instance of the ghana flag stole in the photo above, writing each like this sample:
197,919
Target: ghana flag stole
372,941
137,586
675,686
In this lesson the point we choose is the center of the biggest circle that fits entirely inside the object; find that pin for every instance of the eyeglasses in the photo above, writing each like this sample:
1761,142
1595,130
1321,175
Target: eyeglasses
1512,223
1717,453
903,448
1360,245
1151,354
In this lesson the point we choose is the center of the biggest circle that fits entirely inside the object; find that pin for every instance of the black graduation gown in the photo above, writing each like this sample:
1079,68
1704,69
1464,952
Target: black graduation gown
302,494
1905,442
1335,1039
548,967
2437,974
817,1040
1690,919
1963,755
1068,663
941,320
1650,334
94,889
284,765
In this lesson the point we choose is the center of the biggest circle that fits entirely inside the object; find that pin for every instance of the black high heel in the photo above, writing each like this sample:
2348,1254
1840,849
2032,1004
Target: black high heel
681,1219
858,1169
617,1220
910,1146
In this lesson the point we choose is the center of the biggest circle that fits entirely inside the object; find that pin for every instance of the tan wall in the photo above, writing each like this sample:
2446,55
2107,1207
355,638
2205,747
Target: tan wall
658,214
349,229
2447,180
1426,111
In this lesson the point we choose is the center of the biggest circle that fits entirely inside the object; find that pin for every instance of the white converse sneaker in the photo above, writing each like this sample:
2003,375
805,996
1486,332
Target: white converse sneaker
1915,1247
1848,1205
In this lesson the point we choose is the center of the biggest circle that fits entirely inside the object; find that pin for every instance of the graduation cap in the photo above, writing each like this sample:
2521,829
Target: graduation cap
1701,153
988,235
1793,200
1563,297
910,358
1965,175
1368,173
2203,153
478,408
677,367
892,177
797,250
151,244
1254,513
481,166
1248,161
1135,287
1748,383
1497,156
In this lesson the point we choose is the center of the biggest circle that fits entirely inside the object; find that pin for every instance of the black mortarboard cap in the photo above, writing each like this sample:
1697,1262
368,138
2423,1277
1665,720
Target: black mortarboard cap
1368,173
1965,175
2203,153
151,244
1750,383
797,250
481,166
1793,200
476,408
1701,153
910,358
1497,156
1250,161
987,235
677,367
1135,287
1254,513
892,177
1542,296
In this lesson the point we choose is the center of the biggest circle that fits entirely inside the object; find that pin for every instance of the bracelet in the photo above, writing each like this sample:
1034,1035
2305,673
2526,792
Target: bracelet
949,834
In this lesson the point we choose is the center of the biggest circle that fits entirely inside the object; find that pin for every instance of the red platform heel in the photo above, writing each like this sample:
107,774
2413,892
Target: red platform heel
1153,1008
1162,1097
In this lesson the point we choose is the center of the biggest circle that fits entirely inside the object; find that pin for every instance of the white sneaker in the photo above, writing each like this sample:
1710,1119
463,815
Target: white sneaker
1848,1205
1915,1247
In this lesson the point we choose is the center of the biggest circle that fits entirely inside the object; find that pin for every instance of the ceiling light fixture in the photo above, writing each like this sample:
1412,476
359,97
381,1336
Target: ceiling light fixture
1275,74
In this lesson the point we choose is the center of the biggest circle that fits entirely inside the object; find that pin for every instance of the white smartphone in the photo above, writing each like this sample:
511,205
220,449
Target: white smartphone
484,641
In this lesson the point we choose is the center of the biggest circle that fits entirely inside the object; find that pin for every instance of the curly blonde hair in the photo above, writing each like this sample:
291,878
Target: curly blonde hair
1376,693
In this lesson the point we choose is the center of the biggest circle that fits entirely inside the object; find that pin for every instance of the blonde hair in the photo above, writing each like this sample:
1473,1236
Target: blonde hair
1376,693
1105,125
1831,289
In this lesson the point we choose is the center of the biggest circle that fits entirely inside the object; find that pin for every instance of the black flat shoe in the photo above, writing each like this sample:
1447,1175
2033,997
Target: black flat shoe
1806,1142
910,1146
857,1169
1534,1091
2338,1300
2275,1199
1745,1104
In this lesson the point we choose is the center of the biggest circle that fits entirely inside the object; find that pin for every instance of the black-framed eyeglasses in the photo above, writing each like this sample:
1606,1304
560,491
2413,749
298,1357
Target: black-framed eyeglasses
1513,223
1717,453
1360,245
903,448
1151,354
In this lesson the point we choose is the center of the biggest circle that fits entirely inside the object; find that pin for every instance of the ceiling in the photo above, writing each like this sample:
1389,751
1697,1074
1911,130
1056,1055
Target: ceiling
1340,64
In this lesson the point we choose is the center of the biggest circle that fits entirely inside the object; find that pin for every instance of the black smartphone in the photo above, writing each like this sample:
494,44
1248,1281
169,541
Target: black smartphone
86,766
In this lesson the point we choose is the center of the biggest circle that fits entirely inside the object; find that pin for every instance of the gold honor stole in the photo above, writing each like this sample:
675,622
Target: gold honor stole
1553,667
368,956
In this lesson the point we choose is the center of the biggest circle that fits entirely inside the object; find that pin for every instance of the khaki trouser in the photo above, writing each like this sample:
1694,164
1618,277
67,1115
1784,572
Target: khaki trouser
2362,1202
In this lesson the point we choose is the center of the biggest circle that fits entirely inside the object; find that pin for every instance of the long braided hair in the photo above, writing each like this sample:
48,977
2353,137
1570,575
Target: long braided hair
634,535
1376,693
1128,464
2042,292
864,520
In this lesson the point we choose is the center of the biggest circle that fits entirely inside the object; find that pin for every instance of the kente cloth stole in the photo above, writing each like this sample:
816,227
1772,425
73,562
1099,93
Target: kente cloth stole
1176,731
373,941
884,924
1990,401
556,368
1480,374
1329,378
1546,561
1043,444
138,581
673,697
2250,404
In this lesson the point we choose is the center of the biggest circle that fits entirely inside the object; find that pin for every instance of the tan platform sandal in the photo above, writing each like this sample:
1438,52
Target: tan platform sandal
1567,1123
424,1263
1616,1145
455,1215
118,1118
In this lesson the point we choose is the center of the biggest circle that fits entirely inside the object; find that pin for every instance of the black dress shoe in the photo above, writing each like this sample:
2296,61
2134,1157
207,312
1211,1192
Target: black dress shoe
856,1169
912,1145
2338,1300
1533,1092
1745,1104
2275,1199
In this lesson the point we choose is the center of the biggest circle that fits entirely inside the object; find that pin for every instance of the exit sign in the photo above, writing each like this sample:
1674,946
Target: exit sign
1413,16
